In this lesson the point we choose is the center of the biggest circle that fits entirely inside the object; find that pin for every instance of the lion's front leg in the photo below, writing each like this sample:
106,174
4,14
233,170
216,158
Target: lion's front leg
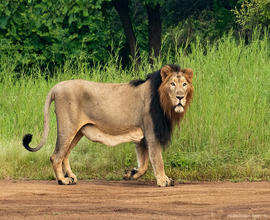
155,155
142,157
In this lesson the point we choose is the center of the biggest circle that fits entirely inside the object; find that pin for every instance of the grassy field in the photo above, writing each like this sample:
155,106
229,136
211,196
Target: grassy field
224,136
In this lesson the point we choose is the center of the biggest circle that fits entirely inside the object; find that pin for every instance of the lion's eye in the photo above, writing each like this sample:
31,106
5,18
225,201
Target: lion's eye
173,84
184,84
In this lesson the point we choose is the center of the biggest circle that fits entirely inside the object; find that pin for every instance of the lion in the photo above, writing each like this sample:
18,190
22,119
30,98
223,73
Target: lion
143,111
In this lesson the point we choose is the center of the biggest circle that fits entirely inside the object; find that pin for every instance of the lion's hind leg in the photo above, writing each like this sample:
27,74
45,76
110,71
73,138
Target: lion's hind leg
143,158
65,164
59,158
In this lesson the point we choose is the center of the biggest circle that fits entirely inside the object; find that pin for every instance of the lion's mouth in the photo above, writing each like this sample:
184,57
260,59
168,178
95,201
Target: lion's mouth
179,104
179,108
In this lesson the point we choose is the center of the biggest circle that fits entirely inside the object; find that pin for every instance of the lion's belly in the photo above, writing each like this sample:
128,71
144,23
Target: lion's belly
92,133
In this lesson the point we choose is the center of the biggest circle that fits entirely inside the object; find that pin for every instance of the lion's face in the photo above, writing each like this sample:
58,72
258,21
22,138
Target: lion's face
177,88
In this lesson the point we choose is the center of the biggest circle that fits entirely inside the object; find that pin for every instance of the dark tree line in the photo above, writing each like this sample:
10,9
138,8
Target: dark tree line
56,30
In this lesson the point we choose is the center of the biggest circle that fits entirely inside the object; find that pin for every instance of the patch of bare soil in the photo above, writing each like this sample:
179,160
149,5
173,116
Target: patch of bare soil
133,200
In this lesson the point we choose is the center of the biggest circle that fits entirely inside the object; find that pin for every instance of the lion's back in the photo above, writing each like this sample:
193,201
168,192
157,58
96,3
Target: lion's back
107,103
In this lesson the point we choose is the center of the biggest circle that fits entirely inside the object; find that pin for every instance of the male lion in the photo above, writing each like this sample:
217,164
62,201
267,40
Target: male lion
142,111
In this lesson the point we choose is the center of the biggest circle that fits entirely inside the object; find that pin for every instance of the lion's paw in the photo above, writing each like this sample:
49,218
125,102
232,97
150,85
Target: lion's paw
73,178
163,182
68,181
128,175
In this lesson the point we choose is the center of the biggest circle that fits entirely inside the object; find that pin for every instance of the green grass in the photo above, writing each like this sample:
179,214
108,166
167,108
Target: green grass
224,136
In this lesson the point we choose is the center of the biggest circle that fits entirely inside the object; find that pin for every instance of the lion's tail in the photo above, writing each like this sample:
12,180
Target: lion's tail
28,137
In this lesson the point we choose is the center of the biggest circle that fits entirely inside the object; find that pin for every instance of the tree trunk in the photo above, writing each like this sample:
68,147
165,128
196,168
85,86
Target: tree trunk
246,36
154,28
121,7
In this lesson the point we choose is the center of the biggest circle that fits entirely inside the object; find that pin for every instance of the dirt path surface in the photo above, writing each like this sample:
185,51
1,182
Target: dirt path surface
133,200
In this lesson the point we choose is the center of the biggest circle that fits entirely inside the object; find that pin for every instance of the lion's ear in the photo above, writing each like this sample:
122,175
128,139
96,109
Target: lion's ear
188,73
165,72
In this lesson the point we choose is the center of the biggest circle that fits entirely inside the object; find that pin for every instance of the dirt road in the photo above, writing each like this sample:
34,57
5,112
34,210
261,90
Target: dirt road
133,200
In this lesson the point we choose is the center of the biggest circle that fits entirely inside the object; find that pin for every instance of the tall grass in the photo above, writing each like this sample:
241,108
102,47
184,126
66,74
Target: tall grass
224,135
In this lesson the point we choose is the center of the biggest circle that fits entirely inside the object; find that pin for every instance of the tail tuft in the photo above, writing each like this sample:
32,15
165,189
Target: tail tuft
26,140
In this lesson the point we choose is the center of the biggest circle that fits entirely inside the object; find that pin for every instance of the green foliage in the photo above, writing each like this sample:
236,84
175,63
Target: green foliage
185,21
152,3
50,32
128,160
253,13
140,25
223,17
46,31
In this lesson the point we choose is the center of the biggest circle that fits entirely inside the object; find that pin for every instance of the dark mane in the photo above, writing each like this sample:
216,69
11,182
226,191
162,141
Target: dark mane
162,123
137,82
174,68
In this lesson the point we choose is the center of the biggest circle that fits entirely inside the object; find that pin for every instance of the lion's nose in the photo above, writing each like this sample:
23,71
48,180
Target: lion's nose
180,97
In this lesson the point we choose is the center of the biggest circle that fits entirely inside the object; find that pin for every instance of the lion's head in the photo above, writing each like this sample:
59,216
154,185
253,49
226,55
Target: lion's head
171,94
176,91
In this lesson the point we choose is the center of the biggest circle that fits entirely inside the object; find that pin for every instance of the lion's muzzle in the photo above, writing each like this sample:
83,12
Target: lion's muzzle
179,108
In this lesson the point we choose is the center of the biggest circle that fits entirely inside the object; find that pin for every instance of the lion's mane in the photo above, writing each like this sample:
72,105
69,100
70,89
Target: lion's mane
162,112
